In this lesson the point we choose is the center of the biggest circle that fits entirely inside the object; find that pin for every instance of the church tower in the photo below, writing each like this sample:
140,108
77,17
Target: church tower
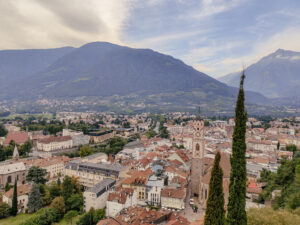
198,155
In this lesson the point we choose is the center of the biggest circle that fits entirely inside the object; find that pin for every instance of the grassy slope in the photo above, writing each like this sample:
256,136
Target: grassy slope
20,218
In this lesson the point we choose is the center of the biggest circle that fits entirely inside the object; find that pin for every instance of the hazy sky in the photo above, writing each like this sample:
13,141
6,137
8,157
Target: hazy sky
214,36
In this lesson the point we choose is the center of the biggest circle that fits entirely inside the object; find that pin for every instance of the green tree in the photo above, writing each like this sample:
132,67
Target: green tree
46,198
85,151
34,199
238,176
3,131
54,189
59,204
7,187
67,188
14,208
3,156
25,148
75,202
150,134
37,175
46,216
4,210
92,217
215,212
70,215
8,150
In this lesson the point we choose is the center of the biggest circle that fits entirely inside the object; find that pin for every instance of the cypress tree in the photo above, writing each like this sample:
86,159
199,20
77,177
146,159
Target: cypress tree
238,175
34,199
215,212
14,207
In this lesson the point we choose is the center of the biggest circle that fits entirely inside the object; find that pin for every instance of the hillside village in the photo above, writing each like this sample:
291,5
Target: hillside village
149,179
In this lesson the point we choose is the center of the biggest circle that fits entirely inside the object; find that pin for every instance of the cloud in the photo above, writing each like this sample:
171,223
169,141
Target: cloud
43,23
202,68
209,8
161,40
287,39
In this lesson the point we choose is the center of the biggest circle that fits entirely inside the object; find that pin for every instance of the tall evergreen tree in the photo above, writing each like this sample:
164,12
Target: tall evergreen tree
34,199
238,177
14,207
215,212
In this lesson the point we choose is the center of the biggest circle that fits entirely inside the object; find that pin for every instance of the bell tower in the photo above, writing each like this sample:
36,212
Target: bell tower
198,155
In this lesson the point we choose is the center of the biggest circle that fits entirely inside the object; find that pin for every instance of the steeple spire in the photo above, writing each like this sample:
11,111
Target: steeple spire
198,117
15,153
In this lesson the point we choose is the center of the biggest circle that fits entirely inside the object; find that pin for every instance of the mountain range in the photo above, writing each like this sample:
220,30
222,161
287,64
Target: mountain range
274,76
105,76
111,72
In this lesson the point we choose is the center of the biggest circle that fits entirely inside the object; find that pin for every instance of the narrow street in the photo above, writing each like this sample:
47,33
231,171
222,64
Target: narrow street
188,211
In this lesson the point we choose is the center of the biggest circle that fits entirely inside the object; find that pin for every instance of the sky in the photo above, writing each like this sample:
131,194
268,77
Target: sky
216,37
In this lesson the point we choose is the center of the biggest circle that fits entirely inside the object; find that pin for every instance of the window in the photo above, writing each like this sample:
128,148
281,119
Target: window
197,147
9,179
205,194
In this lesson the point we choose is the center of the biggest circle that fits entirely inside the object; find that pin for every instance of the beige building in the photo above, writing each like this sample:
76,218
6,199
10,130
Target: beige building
96,196
11,171
78,138
90,174
55,166
173,198
23,192
54,143
98,137
119,200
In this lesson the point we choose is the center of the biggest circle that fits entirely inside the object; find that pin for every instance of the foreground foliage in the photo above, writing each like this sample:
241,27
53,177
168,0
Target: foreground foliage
238,175
268,216
215,212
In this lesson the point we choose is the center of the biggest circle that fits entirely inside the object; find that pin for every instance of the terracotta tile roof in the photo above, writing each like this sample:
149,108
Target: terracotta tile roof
140,216
182,155
120,195
108,221
259,160
55,139
18,137
137,177
177,220
21,189
173,193
46,162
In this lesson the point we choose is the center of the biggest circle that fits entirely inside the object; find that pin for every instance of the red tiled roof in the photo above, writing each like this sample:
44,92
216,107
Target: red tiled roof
21,189
108,221
18,137
177,220
173,193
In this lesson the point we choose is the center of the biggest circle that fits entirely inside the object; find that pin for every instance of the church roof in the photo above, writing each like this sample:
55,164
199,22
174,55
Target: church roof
225,165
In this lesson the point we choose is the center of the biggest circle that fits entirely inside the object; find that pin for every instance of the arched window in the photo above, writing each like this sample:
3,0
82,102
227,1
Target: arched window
197,147
9,179
205,194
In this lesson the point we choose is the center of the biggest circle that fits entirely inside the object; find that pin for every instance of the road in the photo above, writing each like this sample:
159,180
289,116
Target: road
188,211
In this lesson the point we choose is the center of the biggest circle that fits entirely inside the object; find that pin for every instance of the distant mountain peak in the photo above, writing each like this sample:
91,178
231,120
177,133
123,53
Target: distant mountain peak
275,75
